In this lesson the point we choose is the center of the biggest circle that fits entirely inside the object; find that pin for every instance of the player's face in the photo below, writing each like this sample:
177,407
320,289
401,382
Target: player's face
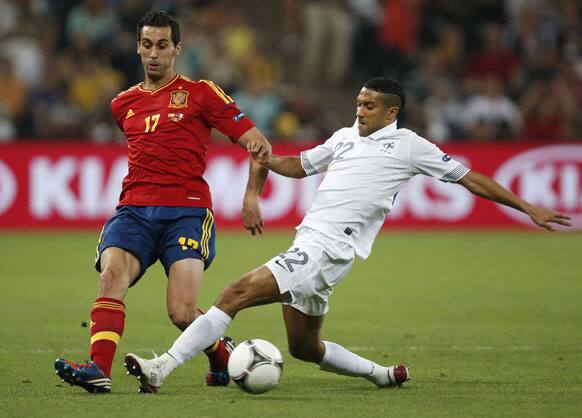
372,112
157,51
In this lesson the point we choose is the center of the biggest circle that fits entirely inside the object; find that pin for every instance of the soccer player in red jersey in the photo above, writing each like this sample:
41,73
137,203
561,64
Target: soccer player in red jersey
164,212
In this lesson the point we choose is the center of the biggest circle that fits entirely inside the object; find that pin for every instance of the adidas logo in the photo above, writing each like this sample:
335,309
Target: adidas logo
129,114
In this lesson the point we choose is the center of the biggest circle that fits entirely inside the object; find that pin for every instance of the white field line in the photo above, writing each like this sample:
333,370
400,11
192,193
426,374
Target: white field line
454,348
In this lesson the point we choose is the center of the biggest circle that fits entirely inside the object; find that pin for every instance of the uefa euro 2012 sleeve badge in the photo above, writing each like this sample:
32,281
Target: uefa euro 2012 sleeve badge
178,99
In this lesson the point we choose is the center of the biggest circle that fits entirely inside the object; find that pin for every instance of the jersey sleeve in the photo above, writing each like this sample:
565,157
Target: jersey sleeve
221,113
116,112
316,160
426,158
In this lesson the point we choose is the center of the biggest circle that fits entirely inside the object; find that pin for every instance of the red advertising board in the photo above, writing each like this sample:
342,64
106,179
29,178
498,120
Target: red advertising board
58,185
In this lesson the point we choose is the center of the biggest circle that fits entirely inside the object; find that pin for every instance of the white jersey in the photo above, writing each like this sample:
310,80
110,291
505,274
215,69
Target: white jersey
364,174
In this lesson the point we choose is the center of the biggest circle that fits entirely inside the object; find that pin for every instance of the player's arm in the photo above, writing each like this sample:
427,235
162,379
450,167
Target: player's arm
307,163
486,187
285,166
255,143
251,211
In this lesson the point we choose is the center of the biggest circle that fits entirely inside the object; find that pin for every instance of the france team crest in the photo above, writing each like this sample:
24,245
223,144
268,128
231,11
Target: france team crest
178,99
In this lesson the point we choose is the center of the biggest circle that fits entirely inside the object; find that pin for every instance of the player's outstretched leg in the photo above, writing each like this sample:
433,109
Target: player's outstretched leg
338,359
254,288
89,376
218,355
303,336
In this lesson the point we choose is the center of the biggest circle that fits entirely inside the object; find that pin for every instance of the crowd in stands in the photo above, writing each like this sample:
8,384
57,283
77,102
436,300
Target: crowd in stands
473,70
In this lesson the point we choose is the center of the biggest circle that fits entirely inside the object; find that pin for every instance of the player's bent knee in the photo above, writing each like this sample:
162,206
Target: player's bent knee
182,320
109,277
305,353
182,313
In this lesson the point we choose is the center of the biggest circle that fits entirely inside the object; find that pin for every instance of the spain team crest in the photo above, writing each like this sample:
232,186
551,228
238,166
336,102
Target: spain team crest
178,99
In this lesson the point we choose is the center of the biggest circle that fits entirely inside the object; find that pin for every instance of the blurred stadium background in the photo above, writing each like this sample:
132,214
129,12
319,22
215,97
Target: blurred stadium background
479,70
489,319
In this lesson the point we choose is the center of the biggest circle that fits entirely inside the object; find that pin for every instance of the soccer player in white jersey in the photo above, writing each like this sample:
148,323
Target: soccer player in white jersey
365,165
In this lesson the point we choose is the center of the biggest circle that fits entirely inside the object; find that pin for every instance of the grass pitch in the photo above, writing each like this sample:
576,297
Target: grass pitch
490,324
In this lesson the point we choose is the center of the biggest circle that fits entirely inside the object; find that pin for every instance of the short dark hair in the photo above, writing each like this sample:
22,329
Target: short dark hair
392,91
160,19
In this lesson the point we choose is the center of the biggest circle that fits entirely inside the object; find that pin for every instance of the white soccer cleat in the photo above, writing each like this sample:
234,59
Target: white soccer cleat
150,373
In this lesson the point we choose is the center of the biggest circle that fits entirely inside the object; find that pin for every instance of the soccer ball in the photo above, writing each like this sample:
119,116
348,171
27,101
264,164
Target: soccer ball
256,366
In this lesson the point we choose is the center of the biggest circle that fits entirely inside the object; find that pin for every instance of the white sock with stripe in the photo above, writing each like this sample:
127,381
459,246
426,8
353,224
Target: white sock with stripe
200,334
338,359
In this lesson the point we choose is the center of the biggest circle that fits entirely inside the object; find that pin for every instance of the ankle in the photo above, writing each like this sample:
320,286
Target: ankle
168,362
379,375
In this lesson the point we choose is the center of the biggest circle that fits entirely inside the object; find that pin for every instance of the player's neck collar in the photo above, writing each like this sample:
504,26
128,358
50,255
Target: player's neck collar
380,133
140,87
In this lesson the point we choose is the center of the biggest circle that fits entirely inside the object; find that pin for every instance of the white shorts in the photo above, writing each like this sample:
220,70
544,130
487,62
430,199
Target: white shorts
310,269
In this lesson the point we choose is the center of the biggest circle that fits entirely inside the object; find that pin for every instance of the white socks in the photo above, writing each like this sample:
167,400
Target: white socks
212,325
165,365
338,359
199,335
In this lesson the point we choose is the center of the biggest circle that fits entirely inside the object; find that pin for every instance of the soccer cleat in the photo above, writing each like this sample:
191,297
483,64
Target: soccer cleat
150,373
397,375
218,375
87,375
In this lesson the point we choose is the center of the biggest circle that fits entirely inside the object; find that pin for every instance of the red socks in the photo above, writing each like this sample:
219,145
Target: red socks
107,322
218,356
217,353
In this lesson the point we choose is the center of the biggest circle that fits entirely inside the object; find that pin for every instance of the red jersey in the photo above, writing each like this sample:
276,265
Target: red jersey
167,133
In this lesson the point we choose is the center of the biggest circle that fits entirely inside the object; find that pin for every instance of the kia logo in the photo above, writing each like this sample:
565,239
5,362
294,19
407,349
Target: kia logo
8,187
549,176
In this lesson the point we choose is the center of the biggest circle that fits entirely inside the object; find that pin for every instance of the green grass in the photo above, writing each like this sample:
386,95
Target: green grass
490,324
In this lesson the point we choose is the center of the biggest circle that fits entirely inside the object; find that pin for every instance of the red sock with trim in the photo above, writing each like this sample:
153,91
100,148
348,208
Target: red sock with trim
107,323
217,353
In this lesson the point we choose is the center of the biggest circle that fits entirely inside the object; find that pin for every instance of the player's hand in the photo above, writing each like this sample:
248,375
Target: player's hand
264,161
251,215
260,149
256,144
545,218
